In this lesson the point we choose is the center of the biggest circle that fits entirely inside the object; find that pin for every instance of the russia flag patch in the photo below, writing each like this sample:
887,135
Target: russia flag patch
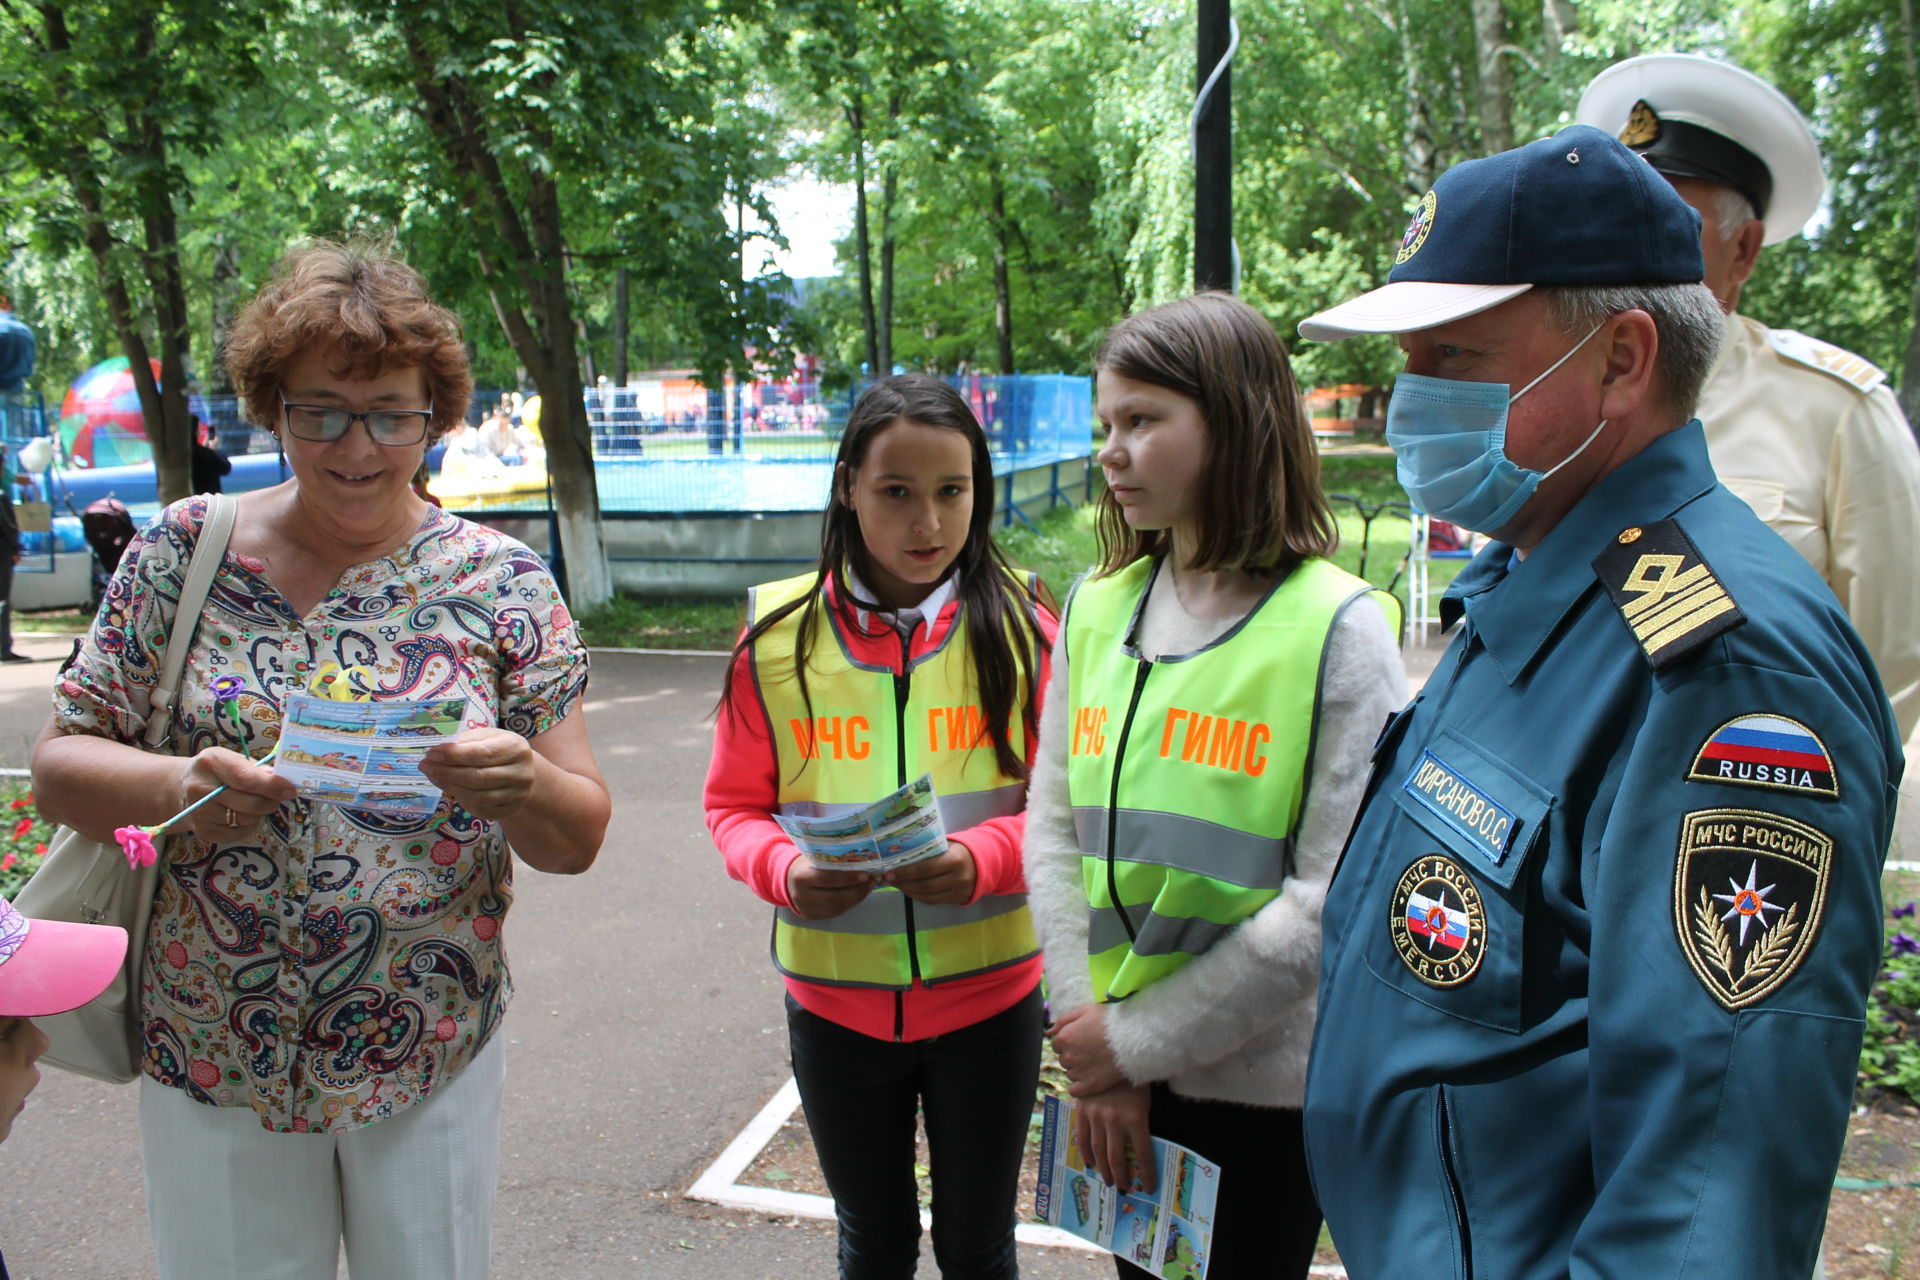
1772,752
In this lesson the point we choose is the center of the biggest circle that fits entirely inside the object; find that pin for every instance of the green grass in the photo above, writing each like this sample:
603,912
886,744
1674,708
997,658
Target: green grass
53,621
626,623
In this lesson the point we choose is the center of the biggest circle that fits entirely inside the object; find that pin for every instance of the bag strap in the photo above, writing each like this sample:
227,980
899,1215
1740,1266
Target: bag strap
202,565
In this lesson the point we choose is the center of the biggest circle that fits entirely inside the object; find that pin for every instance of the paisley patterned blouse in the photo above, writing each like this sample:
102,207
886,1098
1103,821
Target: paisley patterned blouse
334,968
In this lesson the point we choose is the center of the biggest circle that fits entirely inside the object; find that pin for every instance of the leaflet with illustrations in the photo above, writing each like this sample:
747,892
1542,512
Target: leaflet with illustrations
365,755
1168,1232
891,832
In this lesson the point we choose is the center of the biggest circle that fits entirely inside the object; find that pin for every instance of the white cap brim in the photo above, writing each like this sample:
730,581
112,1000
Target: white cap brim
1406,307
1729,101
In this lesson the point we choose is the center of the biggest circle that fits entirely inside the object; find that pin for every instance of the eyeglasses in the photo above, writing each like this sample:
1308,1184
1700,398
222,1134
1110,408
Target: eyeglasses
325,423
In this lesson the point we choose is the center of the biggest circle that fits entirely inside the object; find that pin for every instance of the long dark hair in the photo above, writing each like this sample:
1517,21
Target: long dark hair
1261,505
996,604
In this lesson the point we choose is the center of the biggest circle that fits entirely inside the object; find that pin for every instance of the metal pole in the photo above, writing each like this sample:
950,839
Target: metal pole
1213,264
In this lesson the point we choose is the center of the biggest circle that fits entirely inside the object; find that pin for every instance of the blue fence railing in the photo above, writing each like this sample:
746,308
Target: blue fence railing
767,448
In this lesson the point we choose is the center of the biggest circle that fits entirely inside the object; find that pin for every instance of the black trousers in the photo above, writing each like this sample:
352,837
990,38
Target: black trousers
861,1095
1266,1220
6,615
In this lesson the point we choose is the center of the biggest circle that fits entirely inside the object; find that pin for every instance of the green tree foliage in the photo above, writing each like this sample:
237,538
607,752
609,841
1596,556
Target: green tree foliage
1022,166
104,150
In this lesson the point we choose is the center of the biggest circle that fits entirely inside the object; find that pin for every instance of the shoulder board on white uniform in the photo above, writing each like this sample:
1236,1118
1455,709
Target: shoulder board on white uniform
1856,371
1665,591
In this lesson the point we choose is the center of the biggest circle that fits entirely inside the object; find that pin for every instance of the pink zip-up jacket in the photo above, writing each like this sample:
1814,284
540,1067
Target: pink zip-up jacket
741,796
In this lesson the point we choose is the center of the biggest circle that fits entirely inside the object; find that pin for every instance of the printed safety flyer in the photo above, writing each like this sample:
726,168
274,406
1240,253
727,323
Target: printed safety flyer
1168,1231
891,832
366,755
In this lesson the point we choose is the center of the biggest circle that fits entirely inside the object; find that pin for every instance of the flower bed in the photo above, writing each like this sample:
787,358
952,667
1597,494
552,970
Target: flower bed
1890,1058
23,841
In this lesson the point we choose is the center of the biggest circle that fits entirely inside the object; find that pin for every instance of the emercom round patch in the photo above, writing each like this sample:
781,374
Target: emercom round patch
1438,921
1417,228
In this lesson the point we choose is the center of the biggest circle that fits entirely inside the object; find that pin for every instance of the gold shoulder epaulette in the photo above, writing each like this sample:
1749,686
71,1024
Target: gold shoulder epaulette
1665,591
1861,374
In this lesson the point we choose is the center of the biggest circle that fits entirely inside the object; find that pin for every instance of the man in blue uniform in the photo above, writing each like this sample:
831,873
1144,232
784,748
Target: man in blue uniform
1598,952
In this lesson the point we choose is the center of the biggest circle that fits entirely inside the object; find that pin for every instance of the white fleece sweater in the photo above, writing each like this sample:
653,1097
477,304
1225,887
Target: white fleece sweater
1235,1023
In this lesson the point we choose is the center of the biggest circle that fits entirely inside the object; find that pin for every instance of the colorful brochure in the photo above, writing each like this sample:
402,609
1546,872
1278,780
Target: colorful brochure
891,832
1168,1232
366,755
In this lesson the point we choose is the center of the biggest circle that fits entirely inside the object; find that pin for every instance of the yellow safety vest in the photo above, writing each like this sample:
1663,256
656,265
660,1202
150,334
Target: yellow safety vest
1187,774
867,733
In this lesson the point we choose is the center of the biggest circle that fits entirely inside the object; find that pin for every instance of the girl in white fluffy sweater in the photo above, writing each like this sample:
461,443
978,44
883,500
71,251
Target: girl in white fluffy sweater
1204,746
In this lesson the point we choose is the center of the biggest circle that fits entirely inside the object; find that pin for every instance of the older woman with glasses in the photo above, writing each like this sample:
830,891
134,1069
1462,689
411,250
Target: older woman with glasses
324,984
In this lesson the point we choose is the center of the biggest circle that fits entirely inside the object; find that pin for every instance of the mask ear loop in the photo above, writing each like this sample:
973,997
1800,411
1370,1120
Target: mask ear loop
1577,452
1557,363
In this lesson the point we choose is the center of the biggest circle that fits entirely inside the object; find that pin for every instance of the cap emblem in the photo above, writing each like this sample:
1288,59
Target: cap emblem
1417,228
1643,126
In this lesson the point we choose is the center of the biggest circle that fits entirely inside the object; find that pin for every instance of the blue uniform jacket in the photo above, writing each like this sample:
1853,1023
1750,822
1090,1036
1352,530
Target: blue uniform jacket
1598,951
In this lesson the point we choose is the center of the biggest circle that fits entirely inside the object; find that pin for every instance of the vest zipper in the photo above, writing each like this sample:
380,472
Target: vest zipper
902,689
1113,795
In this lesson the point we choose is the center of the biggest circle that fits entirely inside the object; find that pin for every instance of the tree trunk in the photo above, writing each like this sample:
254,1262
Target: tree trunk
113,286
576,489
170,433
1561,22
1416,134
619,326
888,187
535,249
226,293
98,235
1002,291
1494,88
862,237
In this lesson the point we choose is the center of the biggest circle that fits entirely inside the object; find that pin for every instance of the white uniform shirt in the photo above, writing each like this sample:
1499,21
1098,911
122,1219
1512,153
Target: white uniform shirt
1811,437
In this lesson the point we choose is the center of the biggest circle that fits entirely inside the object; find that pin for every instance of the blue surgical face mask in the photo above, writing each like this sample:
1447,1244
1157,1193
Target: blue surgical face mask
1448,440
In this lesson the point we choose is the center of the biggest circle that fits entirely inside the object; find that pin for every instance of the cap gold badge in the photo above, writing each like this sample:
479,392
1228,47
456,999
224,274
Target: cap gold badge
1643,126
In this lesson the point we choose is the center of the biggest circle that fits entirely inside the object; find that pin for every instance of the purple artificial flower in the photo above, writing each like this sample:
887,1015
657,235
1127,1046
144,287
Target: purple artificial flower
225,687
1901,913
1905,944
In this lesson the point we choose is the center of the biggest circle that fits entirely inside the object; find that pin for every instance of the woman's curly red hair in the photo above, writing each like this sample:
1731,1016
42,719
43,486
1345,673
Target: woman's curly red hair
369,307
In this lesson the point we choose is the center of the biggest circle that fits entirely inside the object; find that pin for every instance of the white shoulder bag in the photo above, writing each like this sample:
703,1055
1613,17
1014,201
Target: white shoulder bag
90,881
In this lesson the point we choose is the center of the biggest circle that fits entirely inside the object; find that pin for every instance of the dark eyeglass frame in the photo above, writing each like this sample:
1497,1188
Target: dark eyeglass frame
424,415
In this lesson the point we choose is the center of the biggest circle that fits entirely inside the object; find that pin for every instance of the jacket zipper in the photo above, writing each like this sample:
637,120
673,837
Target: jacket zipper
1113,795
902,689
1456,1198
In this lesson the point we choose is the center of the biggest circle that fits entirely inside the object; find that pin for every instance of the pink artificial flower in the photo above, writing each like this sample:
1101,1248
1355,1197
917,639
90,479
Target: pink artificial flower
138,843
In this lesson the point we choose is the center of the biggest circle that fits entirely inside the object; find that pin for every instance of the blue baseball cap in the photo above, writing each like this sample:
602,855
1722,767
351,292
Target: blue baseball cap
1578,208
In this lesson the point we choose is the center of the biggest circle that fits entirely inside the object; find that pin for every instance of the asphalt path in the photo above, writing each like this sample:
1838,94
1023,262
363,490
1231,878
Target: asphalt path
646,1029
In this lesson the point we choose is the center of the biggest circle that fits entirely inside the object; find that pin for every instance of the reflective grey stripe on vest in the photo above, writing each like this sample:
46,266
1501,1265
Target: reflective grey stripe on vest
957,812
879,913
1187,844
1159,936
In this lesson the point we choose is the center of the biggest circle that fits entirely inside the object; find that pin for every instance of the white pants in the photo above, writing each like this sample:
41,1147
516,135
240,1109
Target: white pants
411,1195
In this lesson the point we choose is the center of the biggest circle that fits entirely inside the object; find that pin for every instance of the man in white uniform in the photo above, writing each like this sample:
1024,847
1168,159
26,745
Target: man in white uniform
1809,435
